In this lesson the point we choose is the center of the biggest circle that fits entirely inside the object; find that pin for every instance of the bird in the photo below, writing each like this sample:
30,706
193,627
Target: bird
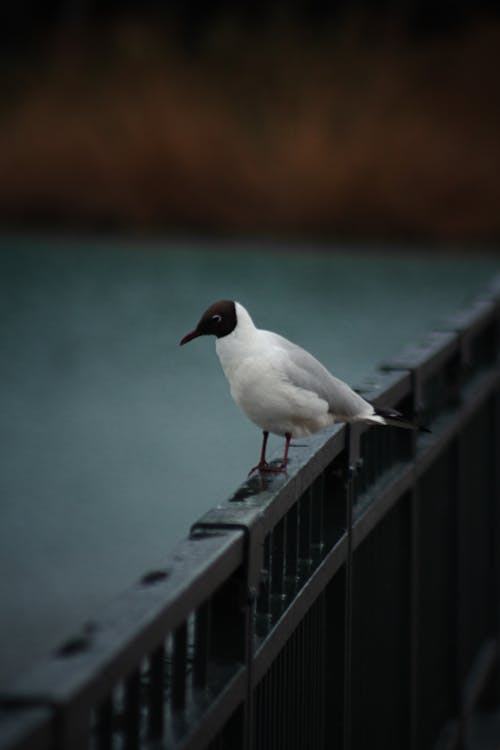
280,387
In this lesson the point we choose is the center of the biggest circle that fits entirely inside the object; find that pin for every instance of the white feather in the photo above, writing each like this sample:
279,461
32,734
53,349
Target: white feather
281,387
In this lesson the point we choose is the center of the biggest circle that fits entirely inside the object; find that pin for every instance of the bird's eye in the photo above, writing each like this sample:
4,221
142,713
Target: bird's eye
217,318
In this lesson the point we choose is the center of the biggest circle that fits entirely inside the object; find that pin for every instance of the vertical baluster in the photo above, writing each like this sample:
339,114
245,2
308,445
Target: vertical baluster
278,560
378,451
228,622
317,492
368,460
334,518
390,454
292,549
384,439
179,668
305,531
283,676
132,710
350,495
364,467
273,708
156,688
264,601
201,643
392,446
104,725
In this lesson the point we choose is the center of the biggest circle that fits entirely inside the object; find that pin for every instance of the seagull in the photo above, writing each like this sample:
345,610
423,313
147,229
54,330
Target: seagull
280,386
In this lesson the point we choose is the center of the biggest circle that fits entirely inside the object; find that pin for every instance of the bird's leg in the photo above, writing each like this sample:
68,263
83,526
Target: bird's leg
263,461
288,437
262,465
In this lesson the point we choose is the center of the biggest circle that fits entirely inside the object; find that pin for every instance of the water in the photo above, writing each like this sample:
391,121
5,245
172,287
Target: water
114,439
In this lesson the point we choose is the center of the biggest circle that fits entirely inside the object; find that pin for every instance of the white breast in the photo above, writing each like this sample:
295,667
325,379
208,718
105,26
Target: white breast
252,361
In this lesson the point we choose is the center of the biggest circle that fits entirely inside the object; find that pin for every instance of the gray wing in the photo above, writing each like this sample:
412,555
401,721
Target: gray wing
303,370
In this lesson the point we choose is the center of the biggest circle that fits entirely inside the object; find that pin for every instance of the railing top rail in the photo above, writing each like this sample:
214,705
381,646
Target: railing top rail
116,641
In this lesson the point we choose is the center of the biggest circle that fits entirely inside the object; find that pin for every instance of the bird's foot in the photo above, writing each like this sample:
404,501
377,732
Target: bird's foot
264,467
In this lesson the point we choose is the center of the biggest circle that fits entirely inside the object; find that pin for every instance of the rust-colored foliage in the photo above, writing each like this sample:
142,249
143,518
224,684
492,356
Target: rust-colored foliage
360,133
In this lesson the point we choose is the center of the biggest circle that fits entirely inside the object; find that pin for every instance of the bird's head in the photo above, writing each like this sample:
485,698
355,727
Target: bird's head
219,320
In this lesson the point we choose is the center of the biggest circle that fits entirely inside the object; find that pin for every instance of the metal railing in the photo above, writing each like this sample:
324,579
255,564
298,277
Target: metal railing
350,604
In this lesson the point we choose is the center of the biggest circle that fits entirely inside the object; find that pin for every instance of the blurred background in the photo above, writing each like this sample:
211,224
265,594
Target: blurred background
317,118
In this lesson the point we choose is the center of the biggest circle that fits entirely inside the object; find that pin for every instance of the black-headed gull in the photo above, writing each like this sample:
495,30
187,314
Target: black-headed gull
282,388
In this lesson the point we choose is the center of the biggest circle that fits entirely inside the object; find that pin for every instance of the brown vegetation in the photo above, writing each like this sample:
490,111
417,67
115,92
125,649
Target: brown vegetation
361,133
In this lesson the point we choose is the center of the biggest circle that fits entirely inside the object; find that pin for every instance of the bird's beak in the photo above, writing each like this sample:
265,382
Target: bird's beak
190,336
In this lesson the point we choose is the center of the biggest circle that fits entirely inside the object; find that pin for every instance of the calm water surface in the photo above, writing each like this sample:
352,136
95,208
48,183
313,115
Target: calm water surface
114,439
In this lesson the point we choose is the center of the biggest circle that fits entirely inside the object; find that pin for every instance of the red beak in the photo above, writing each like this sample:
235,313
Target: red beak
190,336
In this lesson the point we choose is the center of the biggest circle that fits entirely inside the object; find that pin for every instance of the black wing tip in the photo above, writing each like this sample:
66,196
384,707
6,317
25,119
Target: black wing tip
396,415
388,413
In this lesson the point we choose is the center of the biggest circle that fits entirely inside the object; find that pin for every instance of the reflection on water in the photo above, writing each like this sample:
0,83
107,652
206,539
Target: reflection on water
114,439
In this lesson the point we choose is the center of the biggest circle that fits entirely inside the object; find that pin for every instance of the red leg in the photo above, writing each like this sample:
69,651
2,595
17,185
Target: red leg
262,465
262,461
288,437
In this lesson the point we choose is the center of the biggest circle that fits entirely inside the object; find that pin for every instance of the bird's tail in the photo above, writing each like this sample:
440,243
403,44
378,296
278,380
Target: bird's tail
396,419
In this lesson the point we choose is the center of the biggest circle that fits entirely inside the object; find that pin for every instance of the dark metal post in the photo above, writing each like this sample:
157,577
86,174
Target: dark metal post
352,457
348,615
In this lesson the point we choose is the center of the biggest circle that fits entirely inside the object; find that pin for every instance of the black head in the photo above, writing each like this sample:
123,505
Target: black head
219,320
